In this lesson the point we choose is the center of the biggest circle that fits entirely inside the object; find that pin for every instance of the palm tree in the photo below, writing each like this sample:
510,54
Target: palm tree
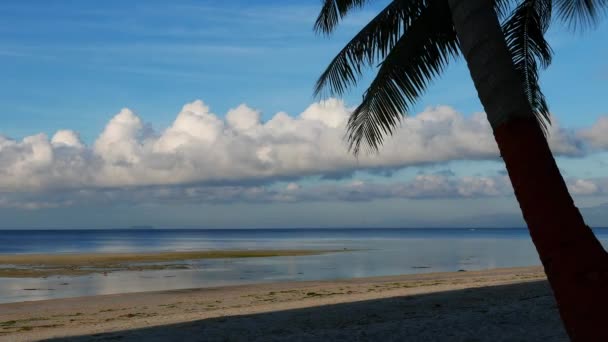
412,41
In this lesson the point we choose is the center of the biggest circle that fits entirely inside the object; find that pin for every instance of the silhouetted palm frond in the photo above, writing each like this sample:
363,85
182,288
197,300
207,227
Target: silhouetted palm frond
580,14
503,8
420,55
369,46
332,11
415,39
524,32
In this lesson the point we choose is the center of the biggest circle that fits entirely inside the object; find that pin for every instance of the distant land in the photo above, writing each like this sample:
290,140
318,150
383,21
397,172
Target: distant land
142,227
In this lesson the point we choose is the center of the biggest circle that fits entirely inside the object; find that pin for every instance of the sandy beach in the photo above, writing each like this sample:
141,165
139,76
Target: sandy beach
511,304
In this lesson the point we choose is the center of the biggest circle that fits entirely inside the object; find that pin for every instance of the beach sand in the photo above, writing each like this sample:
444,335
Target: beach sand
513,304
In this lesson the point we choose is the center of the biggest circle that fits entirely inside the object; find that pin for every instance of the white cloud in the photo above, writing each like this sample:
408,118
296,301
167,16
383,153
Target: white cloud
67,138
201,147
583,187
588,187
194,125
564,142
423,186
597,135
118,143
243,118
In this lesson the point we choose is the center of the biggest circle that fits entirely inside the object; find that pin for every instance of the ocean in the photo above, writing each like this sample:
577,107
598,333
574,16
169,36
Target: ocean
375,252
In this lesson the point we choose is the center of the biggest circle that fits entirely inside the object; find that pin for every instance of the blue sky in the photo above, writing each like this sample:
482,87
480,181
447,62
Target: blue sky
74,65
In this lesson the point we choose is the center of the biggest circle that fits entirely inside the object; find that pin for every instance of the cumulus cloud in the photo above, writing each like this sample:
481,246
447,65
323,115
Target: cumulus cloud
201,147
67,138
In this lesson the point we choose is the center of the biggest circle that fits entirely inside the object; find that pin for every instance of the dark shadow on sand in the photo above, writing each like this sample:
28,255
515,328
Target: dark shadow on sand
518,312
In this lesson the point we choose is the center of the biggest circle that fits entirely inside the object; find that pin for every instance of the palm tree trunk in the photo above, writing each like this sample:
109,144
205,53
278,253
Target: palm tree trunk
575,262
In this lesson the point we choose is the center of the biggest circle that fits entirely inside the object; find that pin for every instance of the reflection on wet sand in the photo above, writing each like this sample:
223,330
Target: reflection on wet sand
44,265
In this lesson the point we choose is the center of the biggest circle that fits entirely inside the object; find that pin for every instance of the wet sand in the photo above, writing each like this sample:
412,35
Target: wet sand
44,265
513,304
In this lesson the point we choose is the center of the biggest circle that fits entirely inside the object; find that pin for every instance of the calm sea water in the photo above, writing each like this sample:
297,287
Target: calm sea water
379,252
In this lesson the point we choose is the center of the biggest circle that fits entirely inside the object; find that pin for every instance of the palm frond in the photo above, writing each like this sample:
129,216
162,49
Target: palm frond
502,7
419,56
524,32
332,11
370,45
580,14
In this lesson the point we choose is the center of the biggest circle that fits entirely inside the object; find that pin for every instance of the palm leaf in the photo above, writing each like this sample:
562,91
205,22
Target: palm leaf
419,56
579,14
370,45
332,11
524,32
503,7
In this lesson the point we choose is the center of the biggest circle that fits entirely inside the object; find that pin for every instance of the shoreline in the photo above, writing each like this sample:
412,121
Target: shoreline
134,313
75,264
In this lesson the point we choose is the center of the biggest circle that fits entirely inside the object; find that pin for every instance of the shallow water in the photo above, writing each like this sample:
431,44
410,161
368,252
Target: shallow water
381,252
